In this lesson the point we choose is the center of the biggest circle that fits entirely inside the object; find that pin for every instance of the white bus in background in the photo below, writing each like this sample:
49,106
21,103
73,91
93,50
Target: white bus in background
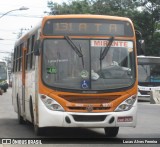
148,76
4,80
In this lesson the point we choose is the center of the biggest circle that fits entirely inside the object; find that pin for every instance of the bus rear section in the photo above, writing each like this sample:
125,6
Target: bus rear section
73,83
148,76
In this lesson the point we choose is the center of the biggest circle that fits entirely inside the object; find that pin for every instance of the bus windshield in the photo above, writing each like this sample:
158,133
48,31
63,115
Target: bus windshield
3,71
63,68
149,74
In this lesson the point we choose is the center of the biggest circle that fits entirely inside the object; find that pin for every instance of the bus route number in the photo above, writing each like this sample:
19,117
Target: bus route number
51,70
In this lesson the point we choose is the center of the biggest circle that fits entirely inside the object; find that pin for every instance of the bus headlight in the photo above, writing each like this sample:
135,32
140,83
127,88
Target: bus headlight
51,103
127,104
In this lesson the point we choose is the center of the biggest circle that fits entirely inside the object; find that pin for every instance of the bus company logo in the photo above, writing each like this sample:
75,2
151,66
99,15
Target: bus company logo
6,141
89,108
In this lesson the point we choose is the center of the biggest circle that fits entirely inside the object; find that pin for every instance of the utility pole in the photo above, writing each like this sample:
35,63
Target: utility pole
21,31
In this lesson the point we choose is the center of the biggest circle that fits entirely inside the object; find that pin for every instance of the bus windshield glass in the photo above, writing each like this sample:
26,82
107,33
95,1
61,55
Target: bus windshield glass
64,68
149,72
3,71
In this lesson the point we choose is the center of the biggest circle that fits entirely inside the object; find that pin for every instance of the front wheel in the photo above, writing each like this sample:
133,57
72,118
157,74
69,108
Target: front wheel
111,131
38,131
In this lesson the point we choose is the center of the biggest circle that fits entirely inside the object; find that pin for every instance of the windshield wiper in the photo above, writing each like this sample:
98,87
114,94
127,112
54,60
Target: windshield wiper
106,49
75,48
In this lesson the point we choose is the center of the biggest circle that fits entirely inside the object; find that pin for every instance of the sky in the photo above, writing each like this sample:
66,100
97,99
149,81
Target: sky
12,23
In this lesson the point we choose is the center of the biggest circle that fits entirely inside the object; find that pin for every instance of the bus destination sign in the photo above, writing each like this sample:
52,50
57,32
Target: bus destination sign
87,27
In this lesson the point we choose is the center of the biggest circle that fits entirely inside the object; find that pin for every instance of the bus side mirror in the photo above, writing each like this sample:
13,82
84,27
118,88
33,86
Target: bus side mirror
140,44
37,48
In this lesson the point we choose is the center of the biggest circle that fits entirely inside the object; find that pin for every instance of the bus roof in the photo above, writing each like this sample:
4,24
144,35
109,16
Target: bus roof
148,60
148,57
86,16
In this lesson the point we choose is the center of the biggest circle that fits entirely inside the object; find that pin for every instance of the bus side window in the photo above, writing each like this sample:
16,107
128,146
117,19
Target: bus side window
32,57
28,55
20,57
26,63
17,56
14,59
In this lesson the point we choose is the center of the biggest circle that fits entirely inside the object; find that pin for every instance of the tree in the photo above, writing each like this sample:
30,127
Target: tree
74,7
154,45
147,21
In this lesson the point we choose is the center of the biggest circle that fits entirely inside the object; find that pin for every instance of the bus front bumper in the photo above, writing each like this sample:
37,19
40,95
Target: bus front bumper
49,118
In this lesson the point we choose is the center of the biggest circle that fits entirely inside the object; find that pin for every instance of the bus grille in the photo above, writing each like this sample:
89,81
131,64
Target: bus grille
84,108
144,92
89,118
90,100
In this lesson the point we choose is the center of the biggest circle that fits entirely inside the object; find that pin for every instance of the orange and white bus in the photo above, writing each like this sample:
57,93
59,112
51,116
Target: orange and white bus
60,78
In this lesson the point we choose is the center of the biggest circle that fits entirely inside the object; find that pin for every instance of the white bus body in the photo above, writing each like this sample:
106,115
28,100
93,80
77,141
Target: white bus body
148,76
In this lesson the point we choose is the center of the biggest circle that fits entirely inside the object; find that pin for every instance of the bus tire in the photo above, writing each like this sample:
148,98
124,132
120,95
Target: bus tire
111,131
20,118
5,90
38,131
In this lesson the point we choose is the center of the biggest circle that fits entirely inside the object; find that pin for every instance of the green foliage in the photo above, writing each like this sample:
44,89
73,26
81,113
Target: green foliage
145,15
74,7
153,47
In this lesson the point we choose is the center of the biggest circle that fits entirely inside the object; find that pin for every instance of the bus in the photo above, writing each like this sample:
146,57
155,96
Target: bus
59,79
148,76
3,76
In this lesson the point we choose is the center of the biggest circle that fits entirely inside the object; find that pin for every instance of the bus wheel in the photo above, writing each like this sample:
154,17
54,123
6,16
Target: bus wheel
111,131
20,118
38,131
5,90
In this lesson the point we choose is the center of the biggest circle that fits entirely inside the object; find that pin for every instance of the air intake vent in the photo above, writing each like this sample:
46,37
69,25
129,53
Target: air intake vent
89,118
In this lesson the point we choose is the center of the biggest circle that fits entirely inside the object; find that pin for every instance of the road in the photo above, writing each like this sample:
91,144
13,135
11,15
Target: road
148,125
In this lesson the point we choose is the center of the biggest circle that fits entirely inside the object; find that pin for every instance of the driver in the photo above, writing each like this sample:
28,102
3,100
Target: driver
108,60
